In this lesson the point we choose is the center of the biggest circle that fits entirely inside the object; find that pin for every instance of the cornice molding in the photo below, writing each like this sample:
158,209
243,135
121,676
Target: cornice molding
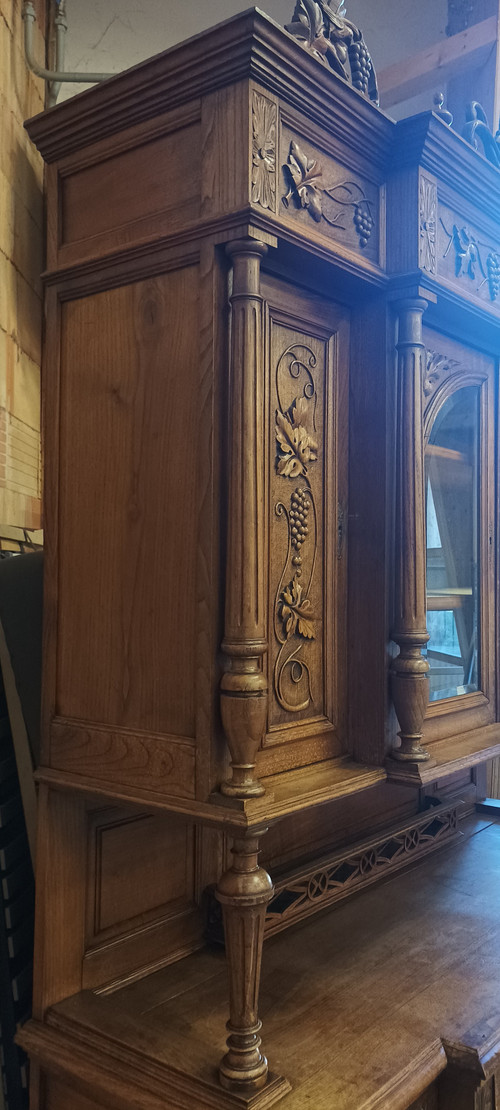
427,141
250,45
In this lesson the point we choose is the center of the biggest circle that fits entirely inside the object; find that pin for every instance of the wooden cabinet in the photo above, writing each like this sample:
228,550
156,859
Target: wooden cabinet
270,380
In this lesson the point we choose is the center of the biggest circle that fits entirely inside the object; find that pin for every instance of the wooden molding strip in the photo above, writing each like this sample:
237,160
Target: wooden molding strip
438,63
289,792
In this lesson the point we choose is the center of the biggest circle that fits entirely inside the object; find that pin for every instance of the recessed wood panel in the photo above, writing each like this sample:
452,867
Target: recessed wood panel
140,864
133,185
128,529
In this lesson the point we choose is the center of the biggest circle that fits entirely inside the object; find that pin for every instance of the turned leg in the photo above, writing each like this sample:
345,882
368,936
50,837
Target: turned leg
244,892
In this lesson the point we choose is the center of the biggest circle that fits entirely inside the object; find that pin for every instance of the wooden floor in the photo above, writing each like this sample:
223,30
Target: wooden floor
356,1002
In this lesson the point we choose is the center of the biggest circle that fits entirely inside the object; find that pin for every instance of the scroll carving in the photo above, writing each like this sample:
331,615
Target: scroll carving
328,203
263,151
477,131
427,225
336,42
297,449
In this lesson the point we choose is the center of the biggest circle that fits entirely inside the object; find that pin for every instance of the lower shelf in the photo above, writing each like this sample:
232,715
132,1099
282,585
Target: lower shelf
363,1006
456,753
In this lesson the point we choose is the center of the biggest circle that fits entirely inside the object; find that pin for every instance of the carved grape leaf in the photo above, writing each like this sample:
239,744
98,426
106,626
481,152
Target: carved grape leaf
305,173
296,445
295,611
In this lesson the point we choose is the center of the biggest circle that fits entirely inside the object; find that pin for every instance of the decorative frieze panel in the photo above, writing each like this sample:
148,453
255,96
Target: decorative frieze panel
302,892
468,257
317,191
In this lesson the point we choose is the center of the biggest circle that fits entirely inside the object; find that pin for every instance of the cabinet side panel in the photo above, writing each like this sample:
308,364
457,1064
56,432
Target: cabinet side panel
127,526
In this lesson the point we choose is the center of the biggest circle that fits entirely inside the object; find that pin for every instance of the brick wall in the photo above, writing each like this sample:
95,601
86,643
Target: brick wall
21,262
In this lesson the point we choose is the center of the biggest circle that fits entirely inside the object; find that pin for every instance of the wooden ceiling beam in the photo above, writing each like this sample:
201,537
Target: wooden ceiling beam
438,63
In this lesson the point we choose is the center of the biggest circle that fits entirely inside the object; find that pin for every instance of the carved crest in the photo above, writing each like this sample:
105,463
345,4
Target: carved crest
336,42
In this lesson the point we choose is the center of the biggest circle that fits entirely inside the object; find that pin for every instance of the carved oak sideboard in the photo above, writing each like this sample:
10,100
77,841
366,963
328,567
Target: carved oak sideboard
271,511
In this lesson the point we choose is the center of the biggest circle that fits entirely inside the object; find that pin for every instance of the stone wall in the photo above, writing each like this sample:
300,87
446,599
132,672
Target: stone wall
21,262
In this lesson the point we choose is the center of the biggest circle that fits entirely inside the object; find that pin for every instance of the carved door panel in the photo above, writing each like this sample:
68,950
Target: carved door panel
306,370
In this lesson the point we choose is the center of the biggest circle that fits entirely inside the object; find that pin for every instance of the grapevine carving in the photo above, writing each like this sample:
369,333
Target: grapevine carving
303,176
469,256
297,449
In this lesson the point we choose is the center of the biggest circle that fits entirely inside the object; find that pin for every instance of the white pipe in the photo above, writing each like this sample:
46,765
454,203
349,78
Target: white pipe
61,27
55,76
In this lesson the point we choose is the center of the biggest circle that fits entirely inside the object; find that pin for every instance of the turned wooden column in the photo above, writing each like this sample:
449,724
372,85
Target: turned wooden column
410,684
244,892
244,685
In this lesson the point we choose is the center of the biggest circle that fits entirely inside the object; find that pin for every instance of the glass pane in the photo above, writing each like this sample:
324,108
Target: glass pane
452,457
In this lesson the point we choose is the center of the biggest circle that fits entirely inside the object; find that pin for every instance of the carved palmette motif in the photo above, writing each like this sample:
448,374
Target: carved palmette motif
437,368
296,452
263,151
427,225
